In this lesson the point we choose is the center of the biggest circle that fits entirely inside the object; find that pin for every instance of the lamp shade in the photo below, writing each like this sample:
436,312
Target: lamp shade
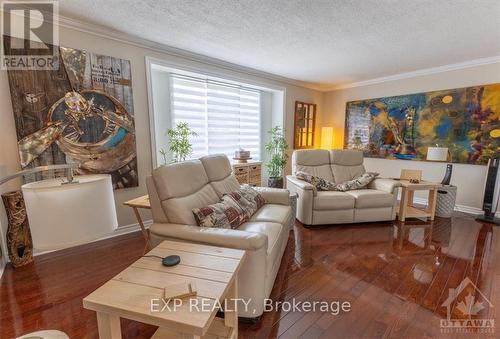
61,216
326,137
437,153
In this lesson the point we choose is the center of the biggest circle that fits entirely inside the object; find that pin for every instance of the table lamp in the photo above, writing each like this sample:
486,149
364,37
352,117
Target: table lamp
440,154
61,212
327,138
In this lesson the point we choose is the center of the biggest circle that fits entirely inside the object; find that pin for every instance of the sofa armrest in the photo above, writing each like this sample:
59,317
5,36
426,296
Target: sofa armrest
212,236
382,184
275,195
301,184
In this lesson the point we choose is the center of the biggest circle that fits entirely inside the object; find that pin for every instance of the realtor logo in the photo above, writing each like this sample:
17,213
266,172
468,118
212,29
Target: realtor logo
469,306
30,35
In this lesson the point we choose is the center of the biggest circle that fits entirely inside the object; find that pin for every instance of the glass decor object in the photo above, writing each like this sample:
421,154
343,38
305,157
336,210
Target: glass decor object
304,123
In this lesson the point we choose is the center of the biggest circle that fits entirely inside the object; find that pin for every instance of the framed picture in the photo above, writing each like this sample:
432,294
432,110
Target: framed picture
83,112
304,123
465,120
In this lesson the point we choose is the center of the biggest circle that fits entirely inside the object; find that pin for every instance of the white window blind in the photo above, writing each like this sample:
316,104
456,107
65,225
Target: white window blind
225,117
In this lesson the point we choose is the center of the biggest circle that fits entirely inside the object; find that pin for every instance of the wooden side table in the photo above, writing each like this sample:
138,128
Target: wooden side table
141,202
406,208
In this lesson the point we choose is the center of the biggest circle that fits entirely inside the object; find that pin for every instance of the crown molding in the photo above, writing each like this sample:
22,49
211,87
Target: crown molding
119,36
133,40
418,73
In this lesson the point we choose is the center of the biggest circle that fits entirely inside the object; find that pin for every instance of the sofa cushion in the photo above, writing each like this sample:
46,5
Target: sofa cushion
271,229
190,176
333,200
180,210
217,166
346,157
219,173
224,214
343,173
226,185
369,198
273,213
346,164
313,162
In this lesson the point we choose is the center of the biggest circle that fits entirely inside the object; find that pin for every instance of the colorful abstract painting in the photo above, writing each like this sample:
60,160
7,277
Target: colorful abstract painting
466,120
82,112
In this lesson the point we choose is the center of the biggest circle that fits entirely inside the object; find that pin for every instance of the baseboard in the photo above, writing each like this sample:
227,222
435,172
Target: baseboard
121,230
459,208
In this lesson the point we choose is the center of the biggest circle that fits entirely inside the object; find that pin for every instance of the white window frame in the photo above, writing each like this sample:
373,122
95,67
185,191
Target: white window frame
212,73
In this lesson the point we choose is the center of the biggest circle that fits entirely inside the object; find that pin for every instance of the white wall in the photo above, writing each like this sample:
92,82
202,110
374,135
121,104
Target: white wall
468,178
9,159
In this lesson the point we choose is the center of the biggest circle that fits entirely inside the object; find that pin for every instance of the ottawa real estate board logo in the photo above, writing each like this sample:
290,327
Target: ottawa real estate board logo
463,310
30,35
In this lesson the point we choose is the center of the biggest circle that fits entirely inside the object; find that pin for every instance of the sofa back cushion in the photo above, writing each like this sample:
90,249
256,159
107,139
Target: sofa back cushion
220,174
314,162
346,165
182,187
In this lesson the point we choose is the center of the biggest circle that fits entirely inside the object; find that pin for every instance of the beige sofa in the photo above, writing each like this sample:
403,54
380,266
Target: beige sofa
375,203
176,189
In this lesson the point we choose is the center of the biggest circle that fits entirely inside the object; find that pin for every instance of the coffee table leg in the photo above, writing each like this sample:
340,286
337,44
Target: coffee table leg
231,316
109,326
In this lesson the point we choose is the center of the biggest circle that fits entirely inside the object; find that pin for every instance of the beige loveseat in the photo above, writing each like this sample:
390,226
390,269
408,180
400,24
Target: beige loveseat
176,189
375,203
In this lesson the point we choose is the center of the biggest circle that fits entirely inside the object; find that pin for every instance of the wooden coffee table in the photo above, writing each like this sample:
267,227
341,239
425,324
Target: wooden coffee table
406,208
132,292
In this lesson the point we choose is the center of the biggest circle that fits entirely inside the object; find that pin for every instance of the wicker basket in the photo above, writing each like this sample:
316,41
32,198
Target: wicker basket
446,198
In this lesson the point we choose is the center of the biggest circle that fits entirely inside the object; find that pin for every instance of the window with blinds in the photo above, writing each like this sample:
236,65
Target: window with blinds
225,117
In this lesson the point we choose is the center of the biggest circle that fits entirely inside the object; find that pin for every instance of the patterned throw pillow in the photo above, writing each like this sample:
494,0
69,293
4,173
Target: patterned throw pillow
319,183
249,200
224,214
362,181
325,185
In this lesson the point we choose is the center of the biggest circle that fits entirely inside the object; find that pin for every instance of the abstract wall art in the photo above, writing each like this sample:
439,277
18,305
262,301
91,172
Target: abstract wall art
82,112
466,120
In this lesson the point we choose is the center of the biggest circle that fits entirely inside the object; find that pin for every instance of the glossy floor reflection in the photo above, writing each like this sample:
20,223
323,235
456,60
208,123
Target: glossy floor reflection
396,277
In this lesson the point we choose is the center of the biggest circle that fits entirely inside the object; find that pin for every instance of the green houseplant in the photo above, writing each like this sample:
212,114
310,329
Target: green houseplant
178,142
276,148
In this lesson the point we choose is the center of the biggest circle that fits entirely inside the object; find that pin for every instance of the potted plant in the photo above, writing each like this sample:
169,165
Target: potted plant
178,143
276,148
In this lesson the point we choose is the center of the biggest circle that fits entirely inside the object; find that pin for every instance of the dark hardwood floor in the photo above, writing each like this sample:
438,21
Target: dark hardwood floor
396,277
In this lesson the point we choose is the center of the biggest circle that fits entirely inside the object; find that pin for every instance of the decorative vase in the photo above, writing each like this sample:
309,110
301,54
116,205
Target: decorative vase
275,182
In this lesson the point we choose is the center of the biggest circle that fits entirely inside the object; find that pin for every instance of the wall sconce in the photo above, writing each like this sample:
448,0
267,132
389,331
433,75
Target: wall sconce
327,138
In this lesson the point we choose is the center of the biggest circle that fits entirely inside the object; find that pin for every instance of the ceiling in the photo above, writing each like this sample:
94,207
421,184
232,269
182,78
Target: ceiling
324,42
